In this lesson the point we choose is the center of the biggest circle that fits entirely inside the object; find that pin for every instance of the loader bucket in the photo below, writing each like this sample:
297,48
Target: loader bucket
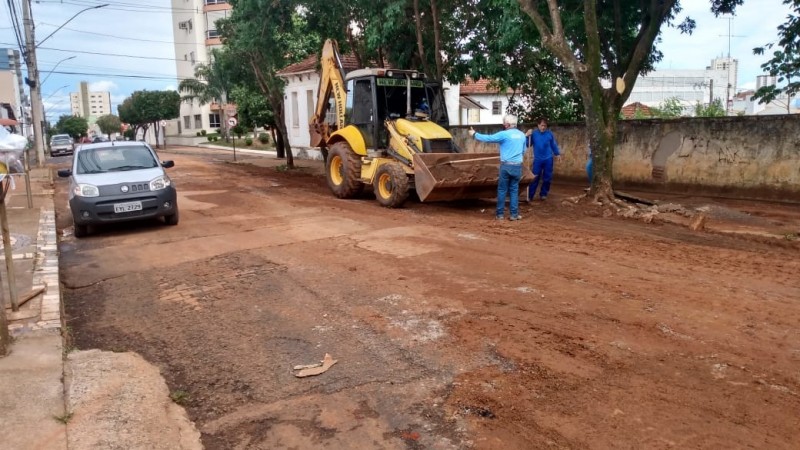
454,176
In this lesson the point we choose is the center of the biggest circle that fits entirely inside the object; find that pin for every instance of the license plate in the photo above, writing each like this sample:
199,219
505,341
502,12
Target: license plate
127,207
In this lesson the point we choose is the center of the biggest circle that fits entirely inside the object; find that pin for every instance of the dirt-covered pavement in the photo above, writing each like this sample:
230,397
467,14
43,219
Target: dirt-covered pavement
567,329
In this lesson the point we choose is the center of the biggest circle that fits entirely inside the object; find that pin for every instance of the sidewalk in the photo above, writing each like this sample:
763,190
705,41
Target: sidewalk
31,386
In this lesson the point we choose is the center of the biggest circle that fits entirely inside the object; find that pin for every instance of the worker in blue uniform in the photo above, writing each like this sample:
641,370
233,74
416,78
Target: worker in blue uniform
545,149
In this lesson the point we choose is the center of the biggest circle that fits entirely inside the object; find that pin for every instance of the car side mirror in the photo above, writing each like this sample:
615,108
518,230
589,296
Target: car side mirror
167,164
64,173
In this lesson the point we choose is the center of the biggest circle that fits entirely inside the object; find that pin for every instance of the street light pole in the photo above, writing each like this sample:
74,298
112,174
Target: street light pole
68,21
54,68
32,81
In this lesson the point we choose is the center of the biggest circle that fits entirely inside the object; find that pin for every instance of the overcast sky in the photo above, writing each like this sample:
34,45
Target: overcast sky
140,31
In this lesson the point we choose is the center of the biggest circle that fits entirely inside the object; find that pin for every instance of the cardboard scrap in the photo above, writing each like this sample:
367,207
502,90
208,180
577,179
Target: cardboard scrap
308,370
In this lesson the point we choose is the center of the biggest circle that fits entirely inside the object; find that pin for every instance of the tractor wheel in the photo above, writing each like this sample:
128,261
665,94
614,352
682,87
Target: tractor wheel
344,170
391,185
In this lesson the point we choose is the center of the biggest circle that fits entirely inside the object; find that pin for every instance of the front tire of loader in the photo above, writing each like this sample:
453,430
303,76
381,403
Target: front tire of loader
391,185
343,169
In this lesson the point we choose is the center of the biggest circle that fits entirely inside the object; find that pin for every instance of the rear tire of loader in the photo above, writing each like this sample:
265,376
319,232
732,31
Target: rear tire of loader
343,170
391,185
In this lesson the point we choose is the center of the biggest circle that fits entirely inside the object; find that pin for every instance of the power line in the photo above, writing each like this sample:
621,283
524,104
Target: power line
108,54
120,37
126,7
143,77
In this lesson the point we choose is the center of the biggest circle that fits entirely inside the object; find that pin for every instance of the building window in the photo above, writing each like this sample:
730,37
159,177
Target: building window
310,103
497,108
211,34
198,121
187,122
295,112
191,57
473,115
215,2
213,120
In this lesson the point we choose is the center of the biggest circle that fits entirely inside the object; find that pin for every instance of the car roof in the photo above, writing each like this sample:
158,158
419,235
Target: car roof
109,144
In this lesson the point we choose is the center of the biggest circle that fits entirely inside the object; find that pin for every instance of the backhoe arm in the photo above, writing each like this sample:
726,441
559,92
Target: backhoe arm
331,83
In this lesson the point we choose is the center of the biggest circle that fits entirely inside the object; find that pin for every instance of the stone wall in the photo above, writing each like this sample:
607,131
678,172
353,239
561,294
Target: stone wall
752,156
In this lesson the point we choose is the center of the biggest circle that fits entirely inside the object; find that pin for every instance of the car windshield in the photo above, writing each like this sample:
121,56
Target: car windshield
114,159
61,141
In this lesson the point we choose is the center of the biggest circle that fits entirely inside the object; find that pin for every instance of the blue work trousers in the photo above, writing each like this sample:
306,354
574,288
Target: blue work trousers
543,171
508,184
589,171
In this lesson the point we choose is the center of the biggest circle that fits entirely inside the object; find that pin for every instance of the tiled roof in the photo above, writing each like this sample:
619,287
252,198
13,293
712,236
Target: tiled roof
479,87
311,64
629,111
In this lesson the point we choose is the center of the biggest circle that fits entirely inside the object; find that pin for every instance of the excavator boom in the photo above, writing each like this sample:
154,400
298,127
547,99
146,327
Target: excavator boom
331,84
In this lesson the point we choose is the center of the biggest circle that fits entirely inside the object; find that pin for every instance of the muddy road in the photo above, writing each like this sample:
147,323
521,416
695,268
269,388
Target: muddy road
451,330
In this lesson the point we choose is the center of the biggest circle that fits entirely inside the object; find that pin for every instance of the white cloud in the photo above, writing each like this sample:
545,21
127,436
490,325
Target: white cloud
103,86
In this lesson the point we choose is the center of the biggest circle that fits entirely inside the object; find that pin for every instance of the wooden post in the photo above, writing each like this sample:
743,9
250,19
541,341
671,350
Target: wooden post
9,252
5,338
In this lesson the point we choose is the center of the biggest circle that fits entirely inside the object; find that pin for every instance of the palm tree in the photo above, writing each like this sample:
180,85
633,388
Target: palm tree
210,84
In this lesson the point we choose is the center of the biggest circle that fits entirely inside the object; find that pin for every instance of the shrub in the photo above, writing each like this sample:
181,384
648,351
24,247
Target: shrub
198,133
202,132
248,142
263,138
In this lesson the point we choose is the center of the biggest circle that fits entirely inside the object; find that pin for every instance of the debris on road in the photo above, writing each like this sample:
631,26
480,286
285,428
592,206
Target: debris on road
309,370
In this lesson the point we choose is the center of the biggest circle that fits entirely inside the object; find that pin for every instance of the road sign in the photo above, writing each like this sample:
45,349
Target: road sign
232,121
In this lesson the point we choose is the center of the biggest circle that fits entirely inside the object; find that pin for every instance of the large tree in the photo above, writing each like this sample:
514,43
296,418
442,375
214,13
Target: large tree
278,38
144,109
109,124
74,126
597,40
785,61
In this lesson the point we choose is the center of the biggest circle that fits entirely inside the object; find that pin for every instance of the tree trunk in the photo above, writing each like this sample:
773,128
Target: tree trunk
437,44
5,338
283,134
420,46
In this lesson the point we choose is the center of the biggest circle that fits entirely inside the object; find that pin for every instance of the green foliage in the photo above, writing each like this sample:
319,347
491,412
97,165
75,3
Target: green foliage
210,83
145,107
238,130
72,125
248,142
252,107
129,134
785,61
263,138
109,124
713,109
669,108
202,133
179,396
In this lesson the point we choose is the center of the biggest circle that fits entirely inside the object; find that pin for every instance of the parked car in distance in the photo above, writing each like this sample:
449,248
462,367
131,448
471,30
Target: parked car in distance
99,139
61,144
119,182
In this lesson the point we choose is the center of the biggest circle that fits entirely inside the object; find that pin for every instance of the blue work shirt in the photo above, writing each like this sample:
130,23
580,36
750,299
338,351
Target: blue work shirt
512,144
544,144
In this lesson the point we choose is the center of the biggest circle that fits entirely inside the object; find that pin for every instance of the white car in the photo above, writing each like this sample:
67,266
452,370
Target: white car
61,144
116,182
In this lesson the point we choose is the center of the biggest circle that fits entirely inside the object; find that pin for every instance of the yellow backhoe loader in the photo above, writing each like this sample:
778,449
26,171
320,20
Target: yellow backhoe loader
386,128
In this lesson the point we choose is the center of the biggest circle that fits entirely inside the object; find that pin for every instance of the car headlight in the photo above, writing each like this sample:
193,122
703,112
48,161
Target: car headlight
156,184
86,190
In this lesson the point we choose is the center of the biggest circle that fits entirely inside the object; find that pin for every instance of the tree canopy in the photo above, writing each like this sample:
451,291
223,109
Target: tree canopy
109,124
74,126
145,108
785,61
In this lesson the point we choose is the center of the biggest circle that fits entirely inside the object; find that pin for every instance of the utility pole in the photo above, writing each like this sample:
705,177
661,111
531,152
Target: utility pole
710,91
33,82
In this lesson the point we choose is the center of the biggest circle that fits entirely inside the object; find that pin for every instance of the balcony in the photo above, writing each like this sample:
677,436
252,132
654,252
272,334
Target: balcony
212,37
216,5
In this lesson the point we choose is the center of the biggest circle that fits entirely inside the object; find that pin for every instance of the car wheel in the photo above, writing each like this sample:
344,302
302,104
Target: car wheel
81,230
172,219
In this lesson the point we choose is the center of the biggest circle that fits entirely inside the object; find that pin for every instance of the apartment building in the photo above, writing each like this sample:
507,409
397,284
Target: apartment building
12,91
90,105
195,34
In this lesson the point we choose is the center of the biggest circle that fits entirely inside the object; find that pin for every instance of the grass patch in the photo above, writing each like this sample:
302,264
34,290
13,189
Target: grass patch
180,397
282,168
64,418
